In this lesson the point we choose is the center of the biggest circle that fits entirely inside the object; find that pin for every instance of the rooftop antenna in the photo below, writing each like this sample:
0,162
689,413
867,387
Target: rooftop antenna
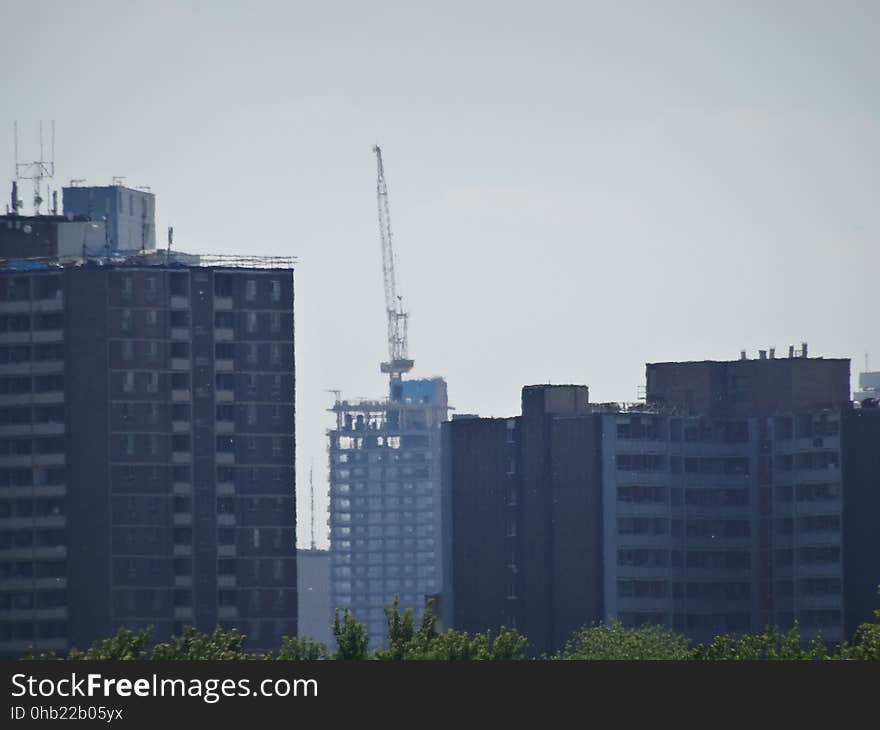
75,182
312,504
117,179
36,171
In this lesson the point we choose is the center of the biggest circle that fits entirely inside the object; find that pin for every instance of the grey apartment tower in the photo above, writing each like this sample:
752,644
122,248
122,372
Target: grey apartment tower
741,494
146,446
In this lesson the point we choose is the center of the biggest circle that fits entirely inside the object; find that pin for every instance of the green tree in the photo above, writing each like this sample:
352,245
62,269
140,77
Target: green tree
193,644
125,645
352,639
770,645
614,641
400,632
294,648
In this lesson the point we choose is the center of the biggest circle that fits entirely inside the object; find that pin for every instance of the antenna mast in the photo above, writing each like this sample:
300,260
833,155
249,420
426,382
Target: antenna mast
398,358
38,170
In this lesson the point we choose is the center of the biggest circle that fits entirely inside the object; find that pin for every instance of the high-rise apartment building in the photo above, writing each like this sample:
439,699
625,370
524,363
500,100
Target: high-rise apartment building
146,446
742,494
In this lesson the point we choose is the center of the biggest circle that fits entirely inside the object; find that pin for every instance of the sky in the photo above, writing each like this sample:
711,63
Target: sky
576,188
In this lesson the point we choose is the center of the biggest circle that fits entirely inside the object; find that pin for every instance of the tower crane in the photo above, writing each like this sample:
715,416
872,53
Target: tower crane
398,357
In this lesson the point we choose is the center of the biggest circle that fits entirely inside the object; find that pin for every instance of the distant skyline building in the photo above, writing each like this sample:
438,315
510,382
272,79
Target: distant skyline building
146,446
384,501
763,512
869,386
313,594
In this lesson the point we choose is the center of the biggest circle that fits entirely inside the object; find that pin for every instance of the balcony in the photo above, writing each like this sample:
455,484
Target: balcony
227,612
226,581
226,520
180,426
225,489
51,304
180,333
182,488
181,457
35,521
224,396
226,551
223,334
224,457
55,335
183,581
224,366
58,459
183,612
180,395
182,518
182,550
179,302
224,427
53,396
222,303
181,363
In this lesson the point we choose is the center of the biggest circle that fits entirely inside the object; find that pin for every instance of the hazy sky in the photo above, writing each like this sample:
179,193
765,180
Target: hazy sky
577,188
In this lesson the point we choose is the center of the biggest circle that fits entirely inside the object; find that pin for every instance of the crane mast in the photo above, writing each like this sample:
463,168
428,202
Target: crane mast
398,357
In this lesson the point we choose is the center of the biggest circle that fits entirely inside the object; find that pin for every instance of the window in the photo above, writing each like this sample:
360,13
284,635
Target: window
127,350
152,382
153,413
153,350
127,287
276,290
125,320
251,322
275,354
275,322
250,353
223,351
180,442
152,318
250,290
223,285
179,381
180,349
178,285
225,413
224,320
179,318
128,382
128,444
251,411
225,381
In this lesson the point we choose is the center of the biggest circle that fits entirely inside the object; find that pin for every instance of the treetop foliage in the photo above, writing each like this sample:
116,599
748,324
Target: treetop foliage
611,641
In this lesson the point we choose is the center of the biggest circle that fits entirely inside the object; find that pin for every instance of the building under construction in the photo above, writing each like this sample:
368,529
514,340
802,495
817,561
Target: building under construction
384,476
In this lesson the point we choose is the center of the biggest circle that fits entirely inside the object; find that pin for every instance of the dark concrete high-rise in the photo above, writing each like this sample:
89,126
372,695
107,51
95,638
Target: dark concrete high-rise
146,448
522,518
706,514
